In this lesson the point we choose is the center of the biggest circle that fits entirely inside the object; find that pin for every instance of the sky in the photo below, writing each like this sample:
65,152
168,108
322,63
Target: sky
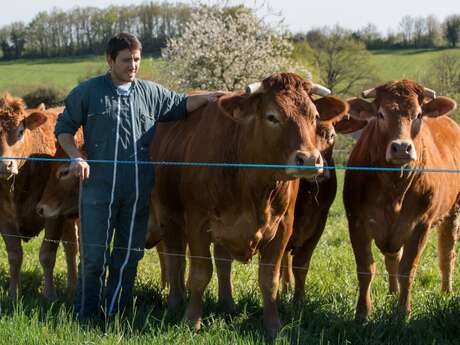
299,15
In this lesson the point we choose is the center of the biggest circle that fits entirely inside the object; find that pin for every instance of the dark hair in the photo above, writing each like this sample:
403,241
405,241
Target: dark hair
121,42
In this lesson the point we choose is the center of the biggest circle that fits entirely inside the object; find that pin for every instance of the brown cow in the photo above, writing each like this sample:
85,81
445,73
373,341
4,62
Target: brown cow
314,200
240,209
23,133
407,129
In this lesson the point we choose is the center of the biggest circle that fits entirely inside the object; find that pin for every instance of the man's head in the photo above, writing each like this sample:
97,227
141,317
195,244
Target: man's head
124,57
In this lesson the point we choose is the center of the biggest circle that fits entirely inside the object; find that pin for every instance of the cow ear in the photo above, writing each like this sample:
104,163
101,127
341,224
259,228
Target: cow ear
349,125
438,107
331,108
233,106
361,109
34,120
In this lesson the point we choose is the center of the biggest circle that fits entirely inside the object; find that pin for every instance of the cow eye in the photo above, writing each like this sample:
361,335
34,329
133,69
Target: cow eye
20,132
63,173
272,118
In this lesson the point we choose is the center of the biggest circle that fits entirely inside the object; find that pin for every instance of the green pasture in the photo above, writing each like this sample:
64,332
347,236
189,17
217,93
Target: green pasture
326,316
407,63
21,76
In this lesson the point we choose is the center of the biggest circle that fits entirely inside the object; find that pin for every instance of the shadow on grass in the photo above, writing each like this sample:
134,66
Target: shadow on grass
317,320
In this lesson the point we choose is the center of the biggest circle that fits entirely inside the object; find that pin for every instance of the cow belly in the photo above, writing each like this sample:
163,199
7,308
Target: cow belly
241,235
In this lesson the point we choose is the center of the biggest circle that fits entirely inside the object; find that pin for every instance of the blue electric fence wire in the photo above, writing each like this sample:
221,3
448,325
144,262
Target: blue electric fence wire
236,165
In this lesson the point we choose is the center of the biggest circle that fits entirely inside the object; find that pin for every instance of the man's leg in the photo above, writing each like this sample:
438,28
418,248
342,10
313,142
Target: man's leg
95,235
128,249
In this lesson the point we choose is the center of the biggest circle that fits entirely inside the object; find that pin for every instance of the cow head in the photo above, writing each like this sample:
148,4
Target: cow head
332,112
400,107
278,118
15,122
60,197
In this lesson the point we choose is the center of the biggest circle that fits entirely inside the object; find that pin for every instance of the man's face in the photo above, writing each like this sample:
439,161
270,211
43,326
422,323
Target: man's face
125,66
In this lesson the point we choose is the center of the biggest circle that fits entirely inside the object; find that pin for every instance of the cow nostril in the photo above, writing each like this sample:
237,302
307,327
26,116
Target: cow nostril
394,148
299,160
318,160
409,148
40,211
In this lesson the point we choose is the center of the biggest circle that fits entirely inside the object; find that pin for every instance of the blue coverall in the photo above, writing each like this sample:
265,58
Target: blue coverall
115,199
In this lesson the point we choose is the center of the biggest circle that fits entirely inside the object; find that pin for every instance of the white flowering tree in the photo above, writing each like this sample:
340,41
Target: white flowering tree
226,50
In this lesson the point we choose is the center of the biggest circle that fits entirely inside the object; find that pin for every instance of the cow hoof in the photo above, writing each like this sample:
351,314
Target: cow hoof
361,319
175,305
193,324
50,296
272,329
12,297
227,306
298,299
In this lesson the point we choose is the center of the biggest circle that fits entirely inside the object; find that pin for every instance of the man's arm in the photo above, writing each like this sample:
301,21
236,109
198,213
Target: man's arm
79,167
67,125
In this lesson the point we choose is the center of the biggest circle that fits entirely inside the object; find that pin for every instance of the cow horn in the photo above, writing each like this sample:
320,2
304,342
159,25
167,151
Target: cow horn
370,93
320,90
254,88
429,93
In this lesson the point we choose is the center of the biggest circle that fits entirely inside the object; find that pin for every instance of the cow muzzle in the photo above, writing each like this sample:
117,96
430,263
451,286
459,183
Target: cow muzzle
401,152
46,211
7,168
304,164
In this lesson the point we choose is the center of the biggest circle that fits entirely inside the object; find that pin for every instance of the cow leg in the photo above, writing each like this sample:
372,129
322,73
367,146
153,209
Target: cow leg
70,243
365,267
174,246
200,275
48,249
160,247
223,262
392,265
287,274
447,238
269,274
302,258
408,265
15,255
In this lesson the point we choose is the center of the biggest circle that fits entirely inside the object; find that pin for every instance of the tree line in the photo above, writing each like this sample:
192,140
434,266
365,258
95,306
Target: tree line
412,32
85,30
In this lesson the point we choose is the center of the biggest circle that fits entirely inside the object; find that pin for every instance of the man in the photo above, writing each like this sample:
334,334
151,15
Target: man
118,113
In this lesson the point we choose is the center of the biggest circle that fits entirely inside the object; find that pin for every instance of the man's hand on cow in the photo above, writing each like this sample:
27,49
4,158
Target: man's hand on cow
80,168
213,96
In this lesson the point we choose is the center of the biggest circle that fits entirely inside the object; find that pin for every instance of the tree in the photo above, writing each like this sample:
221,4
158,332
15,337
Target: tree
343,62
18,35
407,29
443,75
222,49
434,31
452,30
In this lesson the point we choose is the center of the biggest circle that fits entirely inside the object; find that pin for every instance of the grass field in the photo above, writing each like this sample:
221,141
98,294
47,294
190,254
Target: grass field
406,64
326,317
22,76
